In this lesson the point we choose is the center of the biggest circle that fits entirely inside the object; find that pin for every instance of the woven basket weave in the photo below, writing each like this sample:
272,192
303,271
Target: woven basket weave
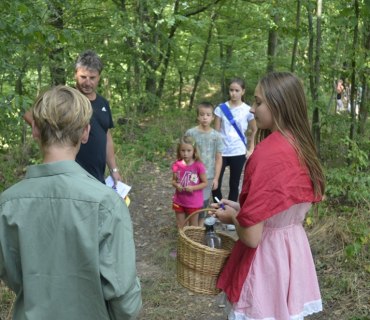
198,266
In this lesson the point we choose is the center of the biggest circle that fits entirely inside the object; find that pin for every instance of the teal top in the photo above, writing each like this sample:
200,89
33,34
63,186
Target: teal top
67,247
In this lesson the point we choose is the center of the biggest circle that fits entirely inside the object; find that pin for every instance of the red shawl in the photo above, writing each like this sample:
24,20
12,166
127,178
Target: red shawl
274,180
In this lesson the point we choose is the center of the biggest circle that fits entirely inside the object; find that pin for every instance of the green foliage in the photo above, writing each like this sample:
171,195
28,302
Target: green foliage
17,149
12,108
360,234
352,181
154,137
14,162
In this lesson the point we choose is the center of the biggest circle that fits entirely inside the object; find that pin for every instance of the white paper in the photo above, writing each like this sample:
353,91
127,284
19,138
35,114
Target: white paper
121,188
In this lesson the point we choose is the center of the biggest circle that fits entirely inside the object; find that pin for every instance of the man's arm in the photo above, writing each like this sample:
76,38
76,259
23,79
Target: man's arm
111,159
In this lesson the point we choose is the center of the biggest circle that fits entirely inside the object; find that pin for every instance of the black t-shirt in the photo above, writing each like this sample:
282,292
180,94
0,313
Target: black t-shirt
92,155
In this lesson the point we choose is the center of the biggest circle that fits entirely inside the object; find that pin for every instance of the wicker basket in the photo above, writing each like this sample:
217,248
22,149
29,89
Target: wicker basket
198,266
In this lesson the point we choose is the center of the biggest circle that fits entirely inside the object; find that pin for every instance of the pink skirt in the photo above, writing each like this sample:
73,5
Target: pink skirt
282,282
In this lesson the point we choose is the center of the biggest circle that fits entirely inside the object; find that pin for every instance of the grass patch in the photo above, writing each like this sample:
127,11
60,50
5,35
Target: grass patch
343,273
7,298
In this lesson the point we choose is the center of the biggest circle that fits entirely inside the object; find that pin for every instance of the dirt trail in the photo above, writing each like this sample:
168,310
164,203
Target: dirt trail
155,236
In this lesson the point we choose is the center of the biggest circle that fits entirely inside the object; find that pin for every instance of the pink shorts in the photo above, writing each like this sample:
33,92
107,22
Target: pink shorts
179,209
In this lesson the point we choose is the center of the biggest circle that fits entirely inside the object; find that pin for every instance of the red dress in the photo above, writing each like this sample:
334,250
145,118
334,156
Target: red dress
274,183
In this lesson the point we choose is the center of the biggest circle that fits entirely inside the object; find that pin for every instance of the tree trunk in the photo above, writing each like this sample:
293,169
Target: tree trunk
317,68
149,38
56,56
133,81
181,85
272,44
296,36
204,59
226,53
353,76
316,110
167,55
310,49
314,65
226,80
335,77
363,112
19,91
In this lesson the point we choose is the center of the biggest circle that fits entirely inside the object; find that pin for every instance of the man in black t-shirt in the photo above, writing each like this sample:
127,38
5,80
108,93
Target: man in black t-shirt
99,150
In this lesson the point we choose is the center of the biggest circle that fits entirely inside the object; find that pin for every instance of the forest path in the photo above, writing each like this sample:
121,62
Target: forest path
155,236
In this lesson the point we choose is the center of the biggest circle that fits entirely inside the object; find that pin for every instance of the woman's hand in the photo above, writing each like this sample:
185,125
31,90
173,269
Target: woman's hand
230,210
232,204
226,215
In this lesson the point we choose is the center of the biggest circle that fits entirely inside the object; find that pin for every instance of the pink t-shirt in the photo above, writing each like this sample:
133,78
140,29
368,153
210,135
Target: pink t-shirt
188,175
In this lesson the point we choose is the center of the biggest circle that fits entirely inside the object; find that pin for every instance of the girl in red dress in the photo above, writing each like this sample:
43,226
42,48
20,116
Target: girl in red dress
270,273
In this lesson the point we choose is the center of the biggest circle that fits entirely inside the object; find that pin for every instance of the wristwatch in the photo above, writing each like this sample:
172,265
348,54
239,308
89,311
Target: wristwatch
113,170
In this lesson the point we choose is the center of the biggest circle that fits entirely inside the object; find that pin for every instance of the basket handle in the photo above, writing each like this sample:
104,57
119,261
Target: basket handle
196,212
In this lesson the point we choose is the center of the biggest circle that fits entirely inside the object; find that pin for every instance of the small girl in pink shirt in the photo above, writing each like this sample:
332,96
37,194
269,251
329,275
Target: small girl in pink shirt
189,178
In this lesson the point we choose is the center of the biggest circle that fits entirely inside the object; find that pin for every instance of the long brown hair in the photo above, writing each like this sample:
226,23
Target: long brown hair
284,96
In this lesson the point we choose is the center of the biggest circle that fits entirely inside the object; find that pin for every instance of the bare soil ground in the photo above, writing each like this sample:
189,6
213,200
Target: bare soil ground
156,236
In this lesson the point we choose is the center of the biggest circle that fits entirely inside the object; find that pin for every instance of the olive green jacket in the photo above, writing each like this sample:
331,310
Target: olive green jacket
67,247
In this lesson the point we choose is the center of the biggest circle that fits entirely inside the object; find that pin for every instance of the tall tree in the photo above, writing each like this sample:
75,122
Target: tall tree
353,71
314,62
167,52
201,67
156,27
364,94
56,54
272,40
226,53
296,36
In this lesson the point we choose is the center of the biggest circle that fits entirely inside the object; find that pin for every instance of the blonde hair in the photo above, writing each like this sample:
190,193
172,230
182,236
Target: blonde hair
188,140
61,114
285,98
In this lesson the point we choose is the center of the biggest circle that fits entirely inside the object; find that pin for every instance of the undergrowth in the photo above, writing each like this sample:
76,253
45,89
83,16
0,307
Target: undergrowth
152,137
